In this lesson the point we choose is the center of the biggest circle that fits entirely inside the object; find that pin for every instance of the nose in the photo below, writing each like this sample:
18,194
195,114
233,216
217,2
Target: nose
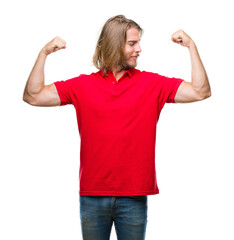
137,48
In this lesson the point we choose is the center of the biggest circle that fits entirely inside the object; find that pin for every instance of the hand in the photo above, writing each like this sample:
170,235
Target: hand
54,45
182,38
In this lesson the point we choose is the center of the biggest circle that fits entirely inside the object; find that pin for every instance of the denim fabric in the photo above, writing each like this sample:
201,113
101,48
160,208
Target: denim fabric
129,214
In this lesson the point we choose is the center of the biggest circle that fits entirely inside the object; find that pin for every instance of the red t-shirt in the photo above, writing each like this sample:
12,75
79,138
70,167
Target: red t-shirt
117,127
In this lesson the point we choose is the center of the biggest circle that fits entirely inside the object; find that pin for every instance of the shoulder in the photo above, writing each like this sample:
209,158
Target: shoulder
81,78
157,77
150,76
147,73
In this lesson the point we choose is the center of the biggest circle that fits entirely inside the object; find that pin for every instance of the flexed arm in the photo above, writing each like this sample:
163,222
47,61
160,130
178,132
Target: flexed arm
199,88
35,92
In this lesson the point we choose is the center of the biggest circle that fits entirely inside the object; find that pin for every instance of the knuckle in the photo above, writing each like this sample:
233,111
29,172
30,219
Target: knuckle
57,39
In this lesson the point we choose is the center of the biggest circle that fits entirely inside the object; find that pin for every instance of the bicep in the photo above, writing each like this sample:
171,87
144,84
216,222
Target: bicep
48,97
186,93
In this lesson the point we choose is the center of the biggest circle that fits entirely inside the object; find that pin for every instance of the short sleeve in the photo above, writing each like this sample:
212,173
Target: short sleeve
169,87
67,91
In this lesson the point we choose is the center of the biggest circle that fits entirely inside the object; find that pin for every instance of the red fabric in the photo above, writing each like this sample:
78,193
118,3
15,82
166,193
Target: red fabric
117,127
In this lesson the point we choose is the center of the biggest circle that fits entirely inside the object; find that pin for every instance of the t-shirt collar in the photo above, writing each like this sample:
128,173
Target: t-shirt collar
130,72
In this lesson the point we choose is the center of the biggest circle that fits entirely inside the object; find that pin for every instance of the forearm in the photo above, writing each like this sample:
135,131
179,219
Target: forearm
200,80
35,82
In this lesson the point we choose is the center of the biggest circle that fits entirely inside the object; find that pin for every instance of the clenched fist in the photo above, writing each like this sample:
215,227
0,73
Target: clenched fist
54,45
182,38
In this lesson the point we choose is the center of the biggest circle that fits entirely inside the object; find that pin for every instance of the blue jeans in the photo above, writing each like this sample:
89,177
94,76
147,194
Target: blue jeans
129,214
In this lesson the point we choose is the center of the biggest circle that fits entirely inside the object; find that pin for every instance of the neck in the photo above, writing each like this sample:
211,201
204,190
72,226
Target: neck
118,73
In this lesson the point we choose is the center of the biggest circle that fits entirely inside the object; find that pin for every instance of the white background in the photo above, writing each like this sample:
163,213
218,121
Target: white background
40,146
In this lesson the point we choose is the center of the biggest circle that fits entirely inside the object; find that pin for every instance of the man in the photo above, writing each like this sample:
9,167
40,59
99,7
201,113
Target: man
117,111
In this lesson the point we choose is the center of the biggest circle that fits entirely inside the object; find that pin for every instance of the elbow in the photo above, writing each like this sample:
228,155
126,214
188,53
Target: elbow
208,93
25,98
28,99
205,95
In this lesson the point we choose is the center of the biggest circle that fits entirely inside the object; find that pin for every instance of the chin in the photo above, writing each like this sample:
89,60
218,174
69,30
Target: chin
131,65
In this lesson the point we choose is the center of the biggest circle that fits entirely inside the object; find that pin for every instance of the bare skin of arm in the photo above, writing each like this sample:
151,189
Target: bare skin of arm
199,88
36,93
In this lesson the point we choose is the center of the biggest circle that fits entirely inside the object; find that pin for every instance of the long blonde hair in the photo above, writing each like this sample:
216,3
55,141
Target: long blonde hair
109,51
